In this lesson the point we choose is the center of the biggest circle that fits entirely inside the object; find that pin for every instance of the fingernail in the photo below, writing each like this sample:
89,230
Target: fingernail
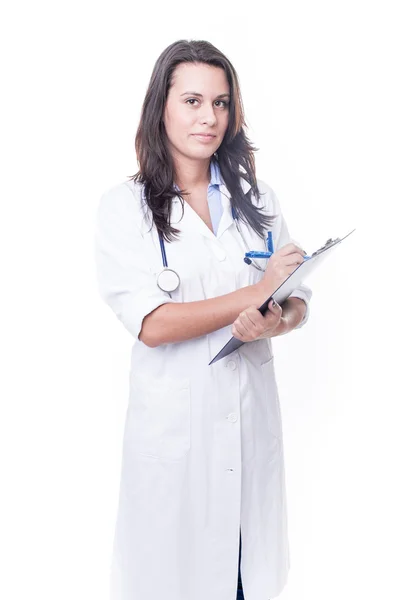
273,302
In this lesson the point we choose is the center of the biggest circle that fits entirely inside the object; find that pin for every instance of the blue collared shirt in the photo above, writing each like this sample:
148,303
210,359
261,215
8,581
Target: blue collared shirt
214,195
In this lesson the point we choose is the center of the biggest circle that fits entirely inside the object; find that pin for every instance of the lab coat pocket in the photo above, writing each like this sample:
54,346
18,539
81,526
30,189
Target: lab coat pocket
271,398
159,416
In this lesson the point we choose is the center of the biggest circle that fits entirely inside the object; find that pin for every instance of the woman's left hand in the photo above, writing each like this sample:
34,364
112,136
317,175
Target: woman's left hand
252,325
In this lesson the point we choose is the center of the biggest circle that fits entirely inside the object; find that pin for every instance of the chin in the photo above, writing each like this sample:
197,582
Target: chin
199,155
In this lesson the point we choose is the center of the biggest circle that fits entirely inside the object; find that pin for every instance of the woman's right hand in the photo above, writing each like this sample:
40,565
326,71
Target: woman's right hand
280,265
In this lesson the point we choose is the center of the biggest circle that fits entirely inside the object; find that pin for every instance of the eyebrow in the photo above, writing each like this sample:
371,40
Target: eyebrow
200,95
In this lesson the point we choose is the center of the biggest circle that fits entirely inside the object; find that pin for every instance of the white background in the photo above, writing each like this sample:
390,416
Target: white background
320,84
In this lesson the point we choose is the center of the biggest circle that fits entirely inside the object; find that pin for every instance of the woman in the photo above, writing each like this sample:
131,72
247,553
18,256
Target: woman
202,476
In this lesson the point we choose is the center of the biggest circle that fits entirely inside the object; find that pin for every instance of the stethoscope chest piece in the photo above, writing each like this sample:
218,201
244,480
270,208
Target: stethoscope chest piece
168,280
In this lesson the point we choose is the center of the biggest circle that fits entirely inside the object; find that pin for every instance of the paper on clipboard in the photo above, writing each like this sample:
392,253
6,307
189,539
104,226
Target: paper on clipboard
286,288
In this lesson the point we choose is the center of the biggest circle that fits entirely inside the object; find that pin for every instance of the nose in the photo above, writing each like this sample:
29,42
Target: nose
208,115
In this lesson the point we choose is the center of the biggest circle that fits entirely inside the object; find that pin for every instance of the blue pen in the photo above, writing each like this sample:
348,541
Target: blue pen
257,254
270,250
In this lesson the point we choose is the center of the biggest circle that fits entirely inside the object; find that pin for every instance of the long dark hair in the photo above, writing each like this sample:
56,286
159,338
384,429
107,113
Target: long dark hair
156,168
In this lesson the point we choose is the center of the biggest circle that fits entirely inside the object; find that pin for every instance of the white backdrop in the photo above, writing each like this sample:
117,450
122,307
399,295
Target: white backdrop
320,84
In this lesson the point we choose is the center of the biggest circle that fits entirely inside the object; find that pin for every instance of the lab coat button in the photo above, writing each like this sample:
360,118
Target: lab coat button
232,417
232,365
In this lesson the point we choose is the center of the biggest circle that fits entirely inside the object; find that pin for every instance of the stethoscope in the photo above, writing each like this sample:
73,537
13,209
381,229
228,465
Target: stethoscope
168,280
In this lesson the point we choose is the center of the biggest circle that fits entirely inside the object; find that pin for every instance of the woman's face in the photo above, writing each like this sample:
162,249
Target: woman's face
197,102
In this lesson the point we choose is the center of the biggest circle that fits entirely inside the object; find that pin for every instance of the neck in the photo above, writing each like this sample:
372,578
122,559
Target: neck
192,174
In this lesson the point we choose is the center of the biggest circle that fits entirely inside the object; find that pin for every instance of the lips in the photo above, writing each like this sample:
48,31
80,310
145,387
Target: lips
206,135
203,138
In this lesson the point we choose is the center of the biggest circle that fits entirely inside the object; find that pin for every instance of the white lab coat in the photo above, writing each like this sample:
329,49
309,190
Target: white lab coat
202,448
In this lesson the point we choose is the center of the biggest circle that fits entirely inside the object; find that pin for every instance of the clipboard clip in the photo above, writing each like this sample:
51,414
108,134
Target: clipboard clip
327,244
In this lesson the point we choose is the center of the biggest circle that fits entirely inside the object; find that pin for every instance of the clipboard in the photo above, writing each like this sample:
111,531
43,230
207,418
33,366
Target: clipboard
286,288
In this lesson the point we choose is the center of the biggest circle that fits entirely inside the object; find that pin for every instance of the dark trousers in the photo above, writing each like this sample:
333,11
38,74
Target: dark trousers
239,594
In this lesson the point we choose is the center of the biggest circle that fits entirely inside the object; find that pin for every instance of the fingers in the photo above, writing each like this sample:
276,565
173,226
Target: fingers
250,318
275,308
288,256
291,249
250,324
238,331
294,259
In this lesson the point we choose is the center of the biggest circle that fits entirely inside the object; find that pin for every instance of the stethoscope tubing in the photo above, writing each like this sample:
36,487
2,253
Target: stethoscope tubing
172,278
234,215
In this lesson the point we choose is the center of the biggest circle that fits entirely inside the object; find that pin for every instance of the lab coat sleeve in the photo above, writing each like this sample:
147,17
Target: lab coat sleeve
125,281
281,237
